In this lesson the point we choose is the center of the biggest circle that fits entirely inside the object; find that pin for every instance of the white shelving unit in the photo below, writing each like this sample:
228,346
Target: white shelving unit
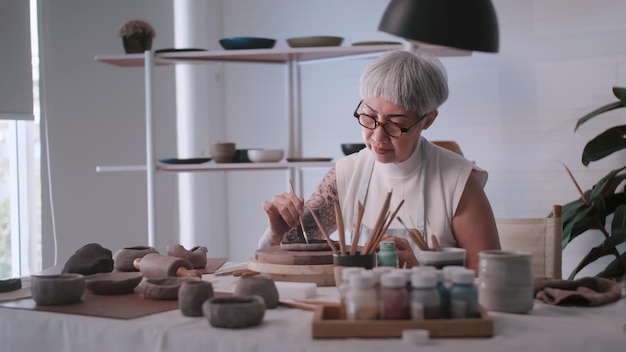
292,57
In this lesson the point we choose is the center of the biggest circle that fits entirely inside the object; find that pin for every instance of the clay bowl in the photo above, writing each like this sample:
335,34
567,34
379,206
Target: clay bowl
164,289
123,258
236,43
258,285
223,152
234,312
57,289
265,155
196,255
114,283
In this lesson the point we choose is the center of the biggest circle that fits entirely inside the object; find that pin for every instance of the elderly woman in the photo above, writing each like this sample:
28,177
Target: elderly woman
442,191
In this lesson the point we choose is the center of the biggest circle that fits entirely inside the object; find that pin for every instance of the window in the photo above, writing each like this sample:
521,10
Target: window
20,182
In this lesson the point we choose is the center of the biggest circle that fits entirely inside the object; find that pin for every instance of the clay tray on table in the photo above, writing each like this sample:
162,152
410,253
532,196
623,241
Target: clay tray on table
328,323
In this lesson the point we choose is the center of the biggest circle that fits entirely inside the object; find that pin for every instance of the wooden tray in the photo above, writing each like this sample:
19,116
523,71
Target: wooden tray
328,323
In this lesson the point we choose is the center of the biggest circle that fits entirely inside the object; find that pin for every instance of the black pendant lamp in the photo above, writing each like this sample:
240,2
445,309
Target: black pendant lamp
462,24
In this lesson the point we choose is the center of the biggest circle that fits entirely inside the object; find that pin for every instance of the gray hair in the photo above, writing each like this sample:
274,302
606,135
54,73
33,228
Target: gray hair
414,80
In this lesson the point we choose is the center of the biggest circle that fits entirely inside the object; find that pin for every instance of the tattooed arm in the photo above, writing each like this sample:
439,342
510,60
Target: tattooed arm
284,209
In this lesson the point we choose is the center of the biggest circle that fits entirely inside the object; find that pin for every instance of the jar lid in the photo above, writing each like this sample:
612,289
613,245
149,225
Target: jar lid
392,280
416,336
361,281
463,276
389,245
424,280
346,272
447,271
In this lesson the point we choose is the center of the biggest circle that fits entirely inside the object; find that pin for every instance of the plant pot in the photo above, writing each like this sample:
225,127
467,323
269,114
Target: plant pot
137,43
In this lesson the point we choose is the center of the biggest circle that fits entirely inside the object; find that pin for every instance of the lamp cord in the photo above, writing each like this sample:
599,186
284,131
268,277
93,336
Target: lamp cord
54,233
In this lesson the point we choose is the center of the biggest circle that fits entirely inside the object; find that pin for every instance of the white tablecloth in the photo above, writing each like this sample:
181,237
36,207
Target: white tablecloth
546,328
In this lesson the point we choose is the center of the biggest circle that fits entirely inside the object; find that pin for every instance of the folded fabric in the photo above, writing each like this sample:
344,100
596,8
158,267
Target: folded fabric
587,291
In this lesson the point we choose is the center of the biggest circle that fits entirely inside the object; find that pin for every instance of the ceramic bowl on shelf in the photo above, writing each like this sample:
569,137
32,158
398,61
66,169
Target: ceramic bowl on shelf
314,41
223,152
236,43
349,148
265,155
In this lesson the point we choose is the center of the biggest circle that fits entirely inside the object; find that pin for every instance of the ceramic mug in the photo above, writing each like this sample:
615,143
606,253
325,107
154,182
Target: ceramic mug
505,281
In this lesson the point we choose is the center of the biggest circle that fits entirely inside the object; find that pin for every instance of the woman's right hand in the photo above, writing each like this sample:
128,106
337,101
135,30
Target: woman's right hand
283,213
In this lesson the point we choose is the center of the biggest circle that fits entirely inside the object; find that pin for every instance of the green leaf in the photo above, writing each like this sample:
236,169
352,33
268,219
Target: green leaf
578,217
594,254
619,219
620,93
603,109
606,143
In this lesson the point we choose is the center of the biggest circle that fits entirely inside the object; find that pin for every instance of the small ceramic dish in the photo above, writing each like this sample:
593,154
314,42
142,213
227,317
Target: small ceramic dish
314,41
175,161
265,155
236,43
349,148
234,312
114,283
57,289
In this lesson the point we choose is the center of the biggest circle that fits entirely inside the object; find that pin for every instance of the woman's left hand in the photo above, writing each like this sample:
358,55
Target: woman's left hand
405,252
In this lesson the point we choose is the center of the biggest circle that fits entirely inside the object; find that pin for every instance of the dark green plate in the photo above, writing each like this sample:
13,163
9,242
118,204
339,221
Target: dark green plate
185,161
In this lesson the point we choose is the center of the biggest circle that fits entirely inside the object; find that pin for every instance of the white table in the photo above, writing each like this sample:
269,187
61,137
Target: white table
546,328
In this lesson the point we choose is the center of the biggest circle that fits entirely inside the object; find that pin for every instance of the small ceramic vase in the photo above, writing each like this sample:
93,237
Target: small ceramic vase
234,312
196,256
192,295
123,259
258,285
365,261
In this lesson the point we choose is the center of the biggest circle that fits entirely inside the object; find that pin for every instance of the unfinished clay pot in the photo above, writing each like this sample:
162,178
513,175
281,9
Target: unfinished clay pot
57,289
115,283
234,312
123,259
258,285
196,256
192,295
165,288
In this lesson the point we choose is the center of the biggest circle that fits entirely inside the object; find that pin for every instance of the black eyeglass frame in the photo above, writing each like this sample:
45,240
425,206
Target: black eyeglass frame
403,130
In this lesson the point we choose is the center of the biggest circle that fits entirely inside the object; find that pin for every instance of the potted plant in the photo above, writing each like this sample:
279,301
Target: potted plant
606,197
136,36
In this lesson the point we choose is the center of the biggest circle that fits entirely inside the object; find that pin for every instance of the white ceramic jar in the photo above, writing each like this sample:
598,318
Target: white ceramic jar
505,281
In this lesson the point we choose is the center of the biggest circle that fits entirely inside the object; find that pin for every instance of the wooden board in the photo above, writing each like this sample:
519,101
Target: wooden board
127,306
276,255
328,323
321,275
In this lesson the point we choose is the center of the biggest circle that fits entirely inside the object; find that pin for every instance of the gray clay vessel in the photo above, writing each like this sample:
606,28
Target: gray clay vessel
164,288
191,296
196,255
258,285
123,259
115,283
57,289
234,312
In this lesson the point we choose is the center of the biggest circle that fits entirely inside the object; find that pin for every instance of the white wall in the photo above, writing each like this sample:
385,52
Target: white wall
95,116
512,112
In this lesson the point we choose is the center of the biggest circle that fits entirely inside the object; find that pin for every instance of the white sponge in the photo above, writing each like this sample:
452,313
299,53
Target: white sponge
296,290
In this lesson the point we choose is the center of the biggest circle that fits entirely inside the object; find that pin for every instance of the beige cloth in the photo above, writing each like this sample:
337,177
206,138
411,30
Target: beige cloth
587,291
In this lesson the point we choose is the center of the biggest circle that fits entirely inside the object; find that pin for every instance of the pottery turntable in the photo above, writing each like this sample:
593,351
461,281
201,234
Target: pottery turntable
296,262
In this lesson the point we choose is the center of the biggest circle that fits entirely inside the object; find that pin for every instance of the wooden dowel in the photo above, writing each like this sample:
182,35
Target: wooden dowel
381,216
321,228
435,242
340,228
306,238
357,229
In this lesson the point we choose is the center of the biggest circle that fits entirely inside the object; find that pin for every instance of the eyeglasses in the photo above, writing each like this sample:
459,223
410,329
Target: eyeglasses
390,128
